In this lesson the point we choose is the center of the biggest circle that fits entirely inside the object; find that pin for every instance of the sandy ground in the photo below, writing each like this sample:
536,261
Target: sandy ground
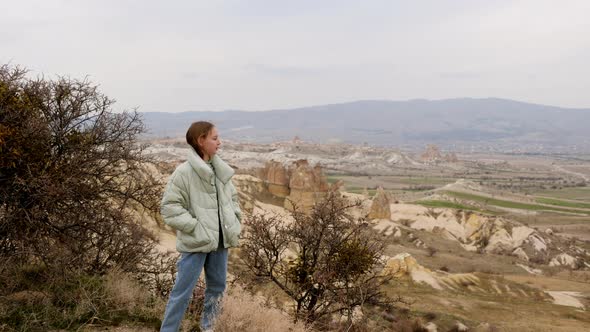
569,299
530,270
550,283
580,230
271,210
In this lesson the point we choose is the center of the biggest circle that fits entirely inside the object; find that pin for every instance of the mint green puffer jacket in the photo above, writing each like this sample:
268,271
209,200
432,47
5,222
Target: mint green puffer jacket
189,205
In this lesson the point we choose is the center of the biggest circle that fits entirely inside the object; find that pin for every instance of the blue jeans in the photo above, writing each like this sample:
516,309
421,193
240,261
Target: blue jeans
189,268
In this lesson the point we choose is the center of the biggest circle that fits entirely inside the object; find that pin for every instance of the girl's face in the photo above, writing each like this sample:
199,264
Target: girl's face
209,144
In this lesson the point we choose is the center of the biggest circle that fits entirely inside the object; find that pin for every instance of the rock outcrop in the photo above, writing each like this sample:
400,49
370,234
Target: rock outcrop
405,266
564,260
250,189
300,184
307,185
520,253
276,177
475,232
380,207
433,154
486,234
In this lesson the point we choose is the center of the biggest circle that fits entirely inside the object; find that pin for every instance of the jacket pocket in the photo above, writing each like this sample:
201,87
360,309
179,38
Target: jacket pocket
234,229
199,237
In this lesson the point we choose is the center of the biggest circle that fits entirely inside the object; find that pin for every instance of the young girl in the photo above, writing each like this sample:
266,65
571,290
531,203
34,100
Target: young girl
201,203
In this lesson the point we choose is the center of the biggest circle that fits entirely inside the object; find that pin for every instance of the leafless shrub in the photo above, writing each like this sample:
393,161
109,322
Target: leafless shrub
71,171
333,259
72,176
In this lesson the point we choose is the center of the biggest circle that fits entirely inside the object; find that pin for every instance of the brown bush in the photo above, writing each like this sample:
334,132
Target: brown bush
72,177
334,263
70,172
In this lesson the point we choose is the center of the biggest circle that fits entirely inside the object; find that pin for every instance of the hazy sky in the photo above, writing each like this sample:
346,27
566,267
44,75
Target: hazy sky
177,56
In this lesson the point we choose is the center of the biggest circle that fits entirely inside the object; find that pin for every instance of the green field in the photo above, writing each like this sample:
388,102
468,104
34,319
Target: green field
552,201
332,179
446,204
508,204
425,180
357,190
575,193
412,183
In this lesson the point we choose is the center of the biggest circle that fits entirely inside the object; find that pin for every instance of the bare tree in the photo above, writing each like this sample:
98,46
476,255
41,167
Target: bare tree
71,178
326,261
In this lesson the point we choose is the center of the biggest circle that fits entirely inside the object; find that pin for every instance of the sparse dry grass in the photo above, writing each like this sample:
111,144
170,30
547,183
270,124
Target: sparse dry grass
77,301
123,293
244,312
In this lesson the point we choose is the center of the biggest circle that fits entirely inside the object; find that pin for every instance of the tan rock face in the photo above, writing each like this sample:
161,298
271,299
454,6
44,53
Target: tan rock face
405,266
474,231
401,265
563,260
307,178
432,153
520,253
276,176
276,173
303,200
250,189
499,242
307,185
300,184
380,208
278,190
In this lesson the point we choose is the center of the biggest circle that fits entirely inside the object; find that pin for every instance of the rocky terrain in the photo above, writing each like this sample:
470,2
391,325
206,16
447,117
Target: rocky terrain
457,251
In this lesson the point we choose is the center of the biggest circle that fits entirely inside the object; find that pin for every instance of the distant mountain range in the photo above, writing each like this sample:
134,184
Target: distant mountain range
456,124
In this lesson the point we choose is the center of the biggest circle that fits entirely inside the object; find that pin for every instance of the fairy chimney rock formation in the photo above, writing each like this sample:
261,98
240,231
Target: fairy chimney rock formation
380,208
432,153
307,185
306,178
276,176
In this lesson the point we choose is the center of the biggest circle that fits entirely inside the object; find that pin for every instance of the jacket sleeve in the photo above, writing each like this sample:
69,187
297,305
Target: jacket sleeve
235,201
174,206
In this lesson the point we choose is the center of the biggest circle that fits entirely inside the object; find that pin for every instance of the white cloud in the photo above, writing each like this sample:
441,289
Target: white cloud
214,55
